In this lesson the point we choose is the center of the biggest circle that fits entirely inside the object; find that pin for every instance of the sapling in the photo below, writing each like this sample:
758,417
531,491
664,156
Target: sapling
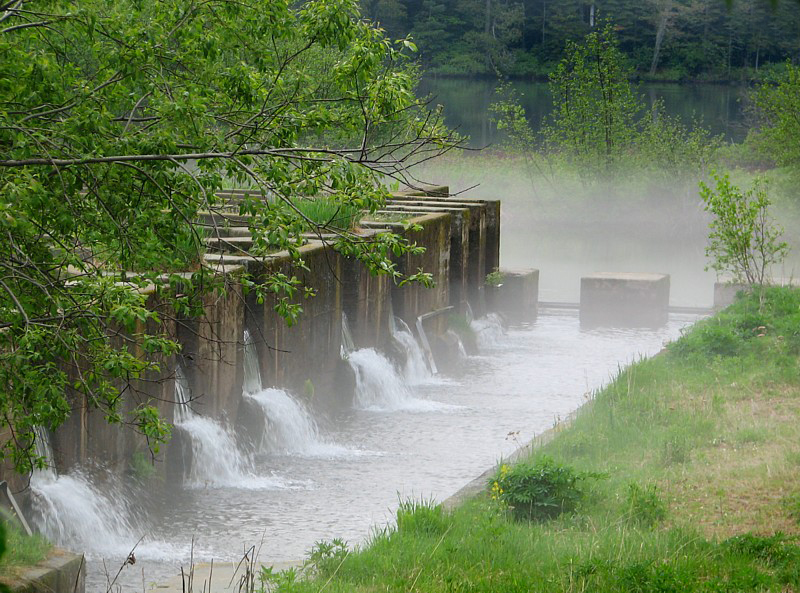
744,240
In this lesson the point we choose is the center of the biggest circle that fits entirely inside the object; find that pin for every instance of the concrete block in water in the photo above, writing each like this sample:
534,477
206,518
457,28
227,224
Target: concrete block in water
516,295
624,299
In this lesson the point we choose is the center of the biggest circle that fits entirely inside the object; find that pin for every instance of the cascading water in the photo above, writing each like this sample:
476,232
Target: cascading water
488,330
72,513
416,369
348,345
288,425
378,385
290,429
216,459
423,338
252,370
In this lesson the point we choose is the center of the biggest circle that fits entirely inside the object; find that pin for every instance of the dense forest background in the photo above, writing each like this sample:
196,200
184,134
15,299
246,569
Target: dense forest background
663,39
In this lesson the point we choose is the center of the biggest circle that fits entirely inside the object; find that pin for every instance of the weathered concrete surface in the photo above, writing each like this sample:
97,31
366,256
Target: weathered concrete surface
412,300
61,572
459,252
725,293
517,295
624,299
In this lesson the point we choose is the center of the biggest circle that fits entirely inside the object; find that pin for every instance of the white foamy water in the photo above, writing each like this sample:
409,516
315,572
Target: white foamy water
380,388
416,370
488,330
290,428
217,461
71,512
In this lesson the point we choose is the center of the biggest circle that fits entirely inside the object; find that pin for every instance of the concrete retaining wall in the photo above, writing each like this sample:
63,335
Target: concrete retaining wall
461,241
61,572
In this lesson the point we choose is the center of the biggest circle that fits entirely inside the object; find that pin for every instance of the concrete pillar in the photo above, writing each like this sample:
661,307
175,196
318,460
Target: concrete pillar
516,295
624,299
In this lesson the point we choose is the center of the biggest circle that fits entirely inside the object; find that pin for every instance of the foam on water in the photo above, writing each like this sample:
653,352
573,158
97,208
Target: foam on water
73,513
217,461
380,388
416,370
488,330
290,428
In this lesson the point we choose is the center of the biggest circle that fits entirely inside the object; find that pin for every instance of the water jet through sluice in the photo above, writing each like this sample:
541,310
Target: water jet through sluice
287,436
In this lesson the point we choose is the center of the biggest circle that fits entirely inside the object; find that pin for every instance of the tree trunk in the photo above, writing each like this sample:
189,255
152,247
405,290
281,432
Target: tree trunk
544,18
662,27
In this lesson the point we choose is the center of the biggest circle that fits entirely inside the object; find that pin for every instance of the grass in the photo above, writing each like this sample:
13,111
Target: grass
329,213
22,549
698,489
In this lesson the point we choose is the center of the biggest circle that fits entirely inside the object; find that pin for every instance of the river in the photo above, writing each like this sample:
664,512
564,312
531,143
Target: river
719,108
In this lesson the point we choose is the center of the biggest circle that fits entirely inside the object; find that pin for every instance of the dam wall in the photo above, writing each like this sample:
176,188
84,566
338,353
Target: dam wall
461,241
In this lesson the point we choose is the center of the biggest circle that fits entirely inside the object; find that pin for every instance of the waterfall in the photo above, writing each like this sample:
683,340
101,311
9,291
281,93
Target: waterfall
462,351
216,458
252,370
72,513
348,345
488,330
423,338
416,369
289,428
377,383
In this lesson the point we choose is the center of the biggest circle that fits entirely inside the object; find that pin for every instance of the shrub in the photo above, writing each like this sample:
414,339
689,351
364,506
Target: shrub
708,339
644,505
326,557
744,241
539,489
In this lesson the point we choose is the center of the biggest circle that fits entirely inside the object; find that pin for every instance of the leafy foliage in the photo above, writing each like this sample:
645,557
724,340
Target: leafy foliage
326,556
599,125
595,108
744,241
539,489
777,104
119,124
645,506
685,39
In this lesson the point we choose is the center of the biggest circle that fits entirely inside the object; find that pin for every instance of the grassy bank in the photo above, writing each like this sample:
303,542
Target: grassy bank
682,475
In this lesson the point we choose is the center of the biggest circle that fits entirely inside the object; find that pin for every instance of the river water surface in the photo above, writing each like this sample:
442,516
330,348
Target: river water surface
443,433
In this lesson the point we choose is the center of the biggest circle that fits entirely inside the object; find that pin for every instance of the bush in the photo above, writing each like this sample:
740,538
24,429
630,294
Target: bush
326,557
644,505
539,489
744,241
708,339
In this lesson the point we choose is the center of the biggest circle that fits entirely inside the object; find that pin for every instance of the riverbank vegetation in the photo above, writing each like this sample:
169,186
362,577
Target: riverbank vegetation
680,475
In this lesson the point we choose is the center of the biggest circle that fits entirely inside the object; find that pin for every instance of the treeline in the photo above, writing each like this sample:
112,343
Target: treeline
663,39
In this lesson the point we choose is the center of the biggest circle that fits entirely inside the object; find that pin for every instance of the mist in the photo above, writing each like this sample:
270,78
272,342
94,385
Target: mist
641,222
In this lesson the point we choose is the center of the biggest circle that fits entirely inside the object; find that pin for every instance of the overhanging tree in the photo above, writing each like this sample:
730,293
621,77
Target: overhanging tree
120,120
